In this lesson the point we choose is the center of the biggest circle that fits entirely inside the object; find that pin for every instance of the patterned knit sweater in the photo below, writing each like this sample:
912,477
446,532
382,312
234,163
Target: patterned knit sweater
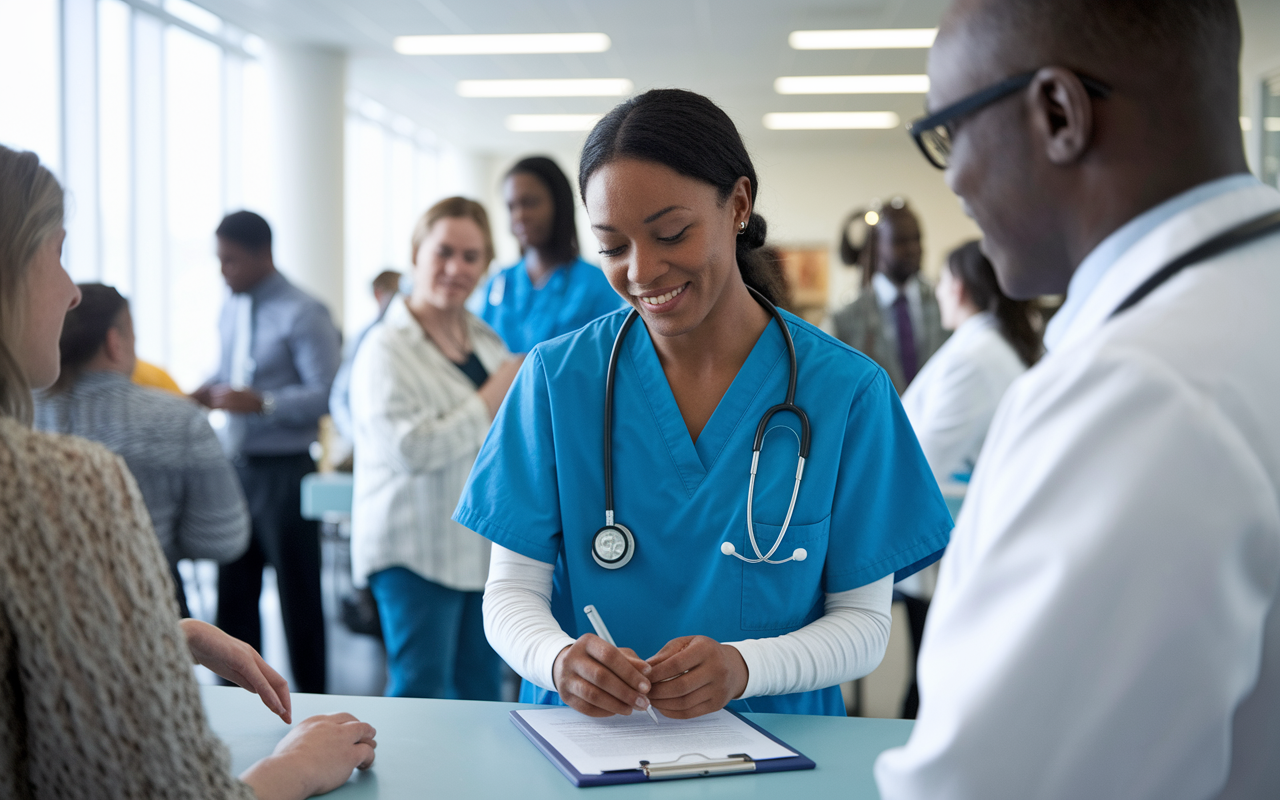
97,695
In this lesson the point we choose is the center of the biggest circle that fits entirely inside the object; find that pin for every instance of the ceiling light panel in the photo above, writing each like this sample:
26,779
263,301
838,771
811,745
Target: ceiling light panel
868,39
852,84
586,87
493,44
536,123
831,120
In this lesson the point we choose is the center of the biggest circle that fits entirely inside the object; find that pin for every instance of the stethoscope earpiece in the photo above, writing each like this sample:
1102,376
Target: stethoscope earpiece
799,554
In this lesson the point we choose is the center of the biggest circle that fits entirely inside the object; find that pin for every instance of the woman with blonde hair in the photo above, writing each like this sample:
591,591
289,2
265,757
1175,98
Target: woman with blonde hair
97,695
426,383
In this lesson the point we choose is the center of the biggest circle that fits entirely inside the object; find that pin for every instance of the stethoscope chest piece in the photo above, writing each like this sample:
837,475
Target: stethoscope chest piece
613,546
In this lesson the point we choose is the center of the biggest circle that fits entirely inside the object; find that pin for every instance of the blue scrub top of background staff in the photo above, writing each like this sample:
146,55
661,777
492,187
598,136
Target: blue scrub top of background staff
525,316
868,506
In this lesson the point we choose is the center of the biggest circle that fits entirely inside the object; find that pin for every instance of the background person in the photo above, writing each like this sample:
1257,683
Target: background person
155,377
97,693
385,287
1106,621
952,401
279,355
193,497
425,386
670,190
954,398
895,319
550,290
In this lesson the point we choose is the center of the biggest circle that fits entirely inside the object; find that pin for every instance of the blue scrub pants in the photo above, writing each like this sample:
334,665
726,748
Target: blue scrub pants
435,639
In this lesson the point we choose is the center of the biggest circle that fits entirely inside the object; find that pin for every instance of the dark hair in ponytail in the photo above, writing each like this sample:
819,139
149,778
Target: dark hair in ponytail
693,136
971,268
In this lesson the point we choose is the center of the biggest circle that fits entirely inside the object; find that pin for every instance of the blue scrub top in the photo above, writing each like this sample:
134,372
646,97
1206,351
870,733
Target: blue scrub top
868,505
525,315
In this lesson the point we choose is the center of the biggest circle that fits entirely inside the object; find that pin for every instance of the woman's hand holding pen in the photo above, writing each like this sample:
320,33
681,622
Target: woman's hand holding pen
601,680
695,675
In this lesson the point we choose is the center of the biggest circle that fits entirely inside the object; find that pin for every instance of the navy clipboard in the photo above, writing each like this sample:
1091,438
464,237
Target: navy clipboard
645,771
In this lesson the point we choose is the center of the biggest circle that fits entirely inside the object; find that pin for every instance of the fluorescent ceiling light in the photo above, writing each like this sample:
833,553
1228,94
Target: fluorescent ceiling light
883,38
585,87
1271,124
831,120
853,84
1246,124
489,44
552,122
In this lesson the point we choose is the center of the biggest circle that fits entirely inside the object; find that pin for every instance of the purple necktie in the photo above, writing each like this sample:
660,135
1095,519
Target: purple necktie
906,338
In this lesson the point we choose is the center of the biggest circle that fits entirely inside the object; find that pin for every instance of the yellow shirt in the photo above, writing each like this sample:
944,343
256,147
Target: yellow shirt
145,374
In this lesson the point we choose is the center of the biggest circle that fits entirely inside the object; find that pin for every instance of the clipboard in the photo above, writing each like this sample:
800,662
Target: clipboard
740,763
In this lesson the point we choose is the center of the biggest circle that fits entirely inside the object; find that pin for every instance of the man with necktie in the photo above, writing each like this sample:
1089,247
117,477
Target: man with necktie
280,351
895,320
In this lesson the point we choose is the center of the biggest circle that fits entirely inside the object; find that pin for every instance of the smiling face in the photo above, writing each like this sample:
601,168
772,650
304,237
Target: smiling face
667,242
449,263
50,294
532,209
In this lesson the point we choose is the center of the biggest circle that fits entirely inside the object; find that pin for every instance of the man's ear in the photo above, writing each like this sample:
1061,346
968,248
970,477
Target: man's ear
113,346
1061,115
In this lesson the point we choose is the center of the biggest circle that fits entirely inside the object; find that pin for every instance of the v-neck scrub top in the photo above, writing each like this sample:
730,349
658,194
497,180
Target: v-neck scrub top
868,505
525,315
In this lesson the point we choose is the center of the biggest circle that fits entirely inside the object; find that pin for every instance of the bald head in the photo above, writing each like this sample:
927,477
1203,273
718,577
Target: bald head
1051,170
1183,50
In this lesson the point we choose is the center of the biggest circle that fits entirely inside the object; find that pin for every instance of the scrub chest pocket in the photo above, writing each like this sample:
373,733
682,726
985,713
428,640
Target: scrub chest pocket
776,596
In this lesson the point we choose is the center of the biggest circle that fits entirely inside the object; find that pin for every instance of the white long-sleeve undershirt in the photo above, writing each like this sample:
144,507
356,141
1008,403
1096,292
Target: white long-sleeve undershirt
845,643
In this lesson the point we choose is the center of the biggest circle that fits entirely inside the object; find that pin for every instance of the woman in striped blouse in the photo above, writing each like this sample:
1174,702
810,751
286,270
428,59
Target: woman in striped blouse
425,386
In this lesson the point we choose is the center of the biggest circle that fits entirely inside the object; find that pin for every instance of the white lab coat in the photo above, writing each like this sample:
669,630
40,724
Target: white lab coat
952,401
1105,623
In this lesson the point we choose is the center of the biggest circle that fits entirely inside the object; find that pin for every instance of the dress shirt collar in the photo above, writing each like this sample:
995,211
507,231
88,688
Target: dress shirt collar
266,287
887,292
1089,274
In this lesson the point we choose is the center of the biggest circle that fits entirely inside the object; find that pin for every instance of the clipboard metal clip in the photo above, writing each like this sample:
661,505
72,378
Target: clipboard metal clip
668,770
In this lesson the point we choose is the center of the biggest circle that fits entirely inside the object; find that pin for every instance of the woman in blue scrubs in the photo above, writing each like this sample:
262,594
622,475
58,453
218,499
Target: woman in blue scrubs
669,188
550,290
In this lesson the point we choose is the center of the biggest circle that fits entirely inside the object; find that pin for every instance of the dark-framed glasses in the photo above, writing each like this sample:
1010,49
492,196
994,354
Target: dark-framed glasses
933,132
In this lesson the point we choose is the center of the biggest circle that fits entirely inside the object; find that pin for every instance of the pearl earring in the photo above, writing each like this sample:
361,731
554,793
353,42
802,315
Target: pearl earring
742,228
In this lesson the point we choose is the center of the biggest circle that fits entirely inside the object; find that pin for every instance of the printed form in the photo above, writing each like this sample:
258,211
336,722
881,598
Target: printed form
595,745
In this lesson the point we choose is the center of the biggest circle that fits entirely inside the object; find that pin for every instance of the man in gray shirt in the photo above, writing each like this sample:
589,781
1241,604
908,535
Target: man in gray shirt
280,351
190,489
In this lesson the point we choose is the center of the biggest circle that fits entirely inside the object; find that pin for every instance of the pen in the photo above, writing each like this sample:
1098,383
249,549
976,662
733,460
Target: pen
597,622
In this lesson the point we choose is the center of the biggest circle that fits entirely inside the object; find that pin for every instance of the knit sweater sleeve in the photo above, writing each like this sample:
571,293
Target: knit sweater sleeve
97,694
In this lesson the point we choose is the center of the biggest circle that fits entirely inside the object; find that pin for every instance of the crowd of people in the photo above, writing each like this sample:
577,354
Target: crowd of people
562,434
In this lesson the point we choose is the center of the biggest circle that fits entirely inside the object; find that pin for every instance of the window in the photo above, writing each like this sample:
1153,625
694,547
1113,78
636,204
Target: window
30,109
139,109
156,117
1271,131
393,176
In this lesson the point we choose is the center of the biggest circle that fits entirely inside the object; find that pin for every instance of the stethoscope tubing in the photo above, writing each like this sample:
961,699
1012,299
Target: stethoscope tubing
761,429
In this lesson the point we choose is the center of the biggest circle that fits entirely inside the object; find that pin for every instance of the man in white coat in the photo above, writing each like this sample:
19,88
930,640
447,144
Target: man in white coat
1105,623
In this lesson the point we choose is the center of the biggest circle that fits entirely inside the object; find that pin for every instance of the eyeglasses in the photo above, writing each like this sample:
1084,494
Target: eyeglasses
933,133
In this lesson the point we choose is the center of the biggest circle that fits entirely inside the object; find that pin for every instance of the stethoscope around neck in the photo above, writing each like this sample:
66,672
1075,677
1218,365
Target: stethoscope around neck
613,546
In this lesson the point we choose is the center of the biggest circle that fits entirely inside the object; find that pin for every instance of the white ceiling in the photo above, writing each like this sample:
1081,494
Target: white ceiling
730,50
